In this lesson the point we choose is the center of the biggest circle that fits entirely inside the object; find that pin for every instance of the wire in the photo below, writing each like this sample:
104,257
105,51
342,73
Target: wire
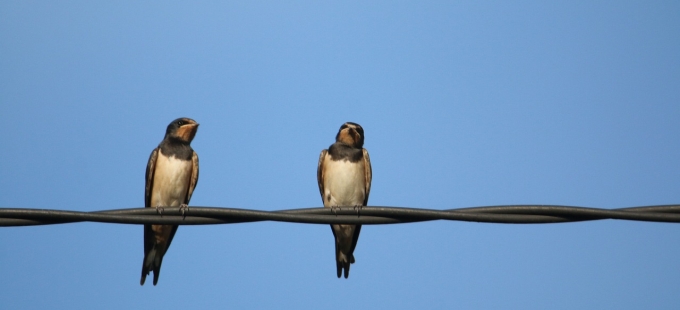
373,215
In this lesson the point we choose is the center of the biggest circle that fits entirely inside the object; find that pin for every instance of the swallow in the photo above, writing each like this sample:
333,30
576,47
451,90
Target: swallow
171,177
344,176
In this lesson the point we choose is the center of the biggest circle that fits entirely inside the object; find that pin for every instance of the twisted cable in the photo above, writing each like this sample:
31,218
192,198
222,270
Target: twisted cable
370,215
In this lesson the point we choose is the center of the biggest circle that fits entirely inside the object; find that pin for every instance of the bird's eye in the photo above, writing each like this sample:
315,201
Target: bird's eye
180,123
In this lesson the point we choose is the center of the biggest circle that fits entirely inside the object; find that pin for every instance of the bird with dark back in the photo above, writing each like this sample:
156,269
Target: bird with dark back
344,178
171,177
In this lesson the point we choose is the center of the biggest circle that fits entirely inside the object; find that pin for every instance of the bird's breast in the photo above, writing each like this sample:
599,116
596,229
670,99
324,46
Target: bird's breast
344,183
171,181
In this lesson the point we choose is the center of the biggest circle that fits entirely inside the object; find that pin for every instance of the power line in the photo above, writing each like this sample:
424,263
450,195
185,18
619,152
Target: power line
506,214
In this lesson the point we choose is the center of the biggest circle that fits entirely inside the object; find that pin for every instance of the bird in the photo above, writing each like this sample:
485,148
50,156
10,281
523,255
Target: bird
171,177
344,176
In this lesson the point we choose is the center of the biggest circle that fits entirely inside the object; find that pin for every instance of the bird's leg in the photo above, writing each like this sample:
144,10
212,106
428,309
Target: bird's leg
334,209
358,208
159,209
184,209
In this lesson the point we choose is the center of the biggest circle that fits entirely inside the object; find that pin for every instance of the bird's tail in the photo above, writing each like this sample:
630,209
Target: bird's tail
343,263
152,262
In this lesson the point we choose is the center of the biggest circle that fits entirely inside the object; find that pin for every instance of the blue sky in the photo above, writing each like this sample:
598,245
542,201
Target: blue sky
463,103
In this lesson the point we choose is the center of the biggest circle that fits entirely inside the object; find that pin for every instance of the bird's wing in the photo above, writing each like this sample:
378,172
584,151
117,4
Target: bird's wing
149,235
150,171
319,172
368,175
194,177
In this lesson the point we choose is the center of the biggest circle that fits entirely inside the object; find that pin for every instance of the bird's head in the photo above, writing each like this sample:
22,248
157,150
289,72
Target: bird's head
183,129
351,134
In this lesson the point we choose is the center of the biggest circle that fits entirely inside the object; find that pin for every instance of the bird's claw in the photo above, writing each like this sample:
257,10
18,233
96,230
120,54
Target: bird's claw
334,209
358,209
184,209
159,210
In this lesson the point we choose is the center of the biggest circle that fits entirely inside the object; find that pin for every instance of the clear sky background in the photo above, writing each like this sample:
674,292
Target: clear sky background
463,103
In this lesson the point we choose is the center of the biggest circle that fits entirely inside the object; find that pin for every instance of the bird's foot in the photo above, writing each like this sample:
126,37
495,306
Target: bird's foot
184,209
358,209
159,210
335,209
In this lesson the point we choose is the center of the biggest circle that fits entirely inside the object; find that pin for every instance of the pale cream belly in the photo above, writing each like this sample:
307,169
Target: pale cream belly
344,183
171,181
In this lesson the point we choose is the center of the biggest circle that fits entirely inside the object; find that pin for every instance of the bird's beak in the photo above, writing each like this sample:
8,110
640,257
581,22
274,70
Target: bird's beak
188,131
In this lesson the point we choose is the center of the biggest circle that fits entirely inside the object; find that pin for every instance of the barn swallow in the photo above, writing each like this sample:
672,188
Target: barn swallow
171,176
344,177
